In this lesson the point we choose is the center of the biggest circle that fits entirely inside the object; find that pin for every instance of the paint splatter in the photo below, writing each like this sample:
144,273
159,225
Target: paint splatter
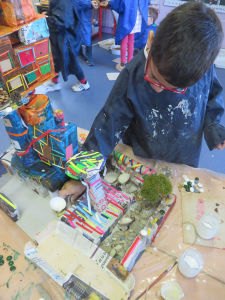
184,107
200,209
119,134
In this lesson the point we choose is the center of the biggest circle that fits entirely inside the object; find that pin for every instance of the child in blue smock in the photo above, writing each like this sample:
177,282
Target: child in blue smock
132,14
140,38
85,26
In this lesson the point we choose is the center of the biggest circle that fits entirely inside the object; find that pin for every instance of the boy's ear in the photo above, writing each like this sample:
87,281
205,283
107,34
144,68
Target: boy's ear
150,40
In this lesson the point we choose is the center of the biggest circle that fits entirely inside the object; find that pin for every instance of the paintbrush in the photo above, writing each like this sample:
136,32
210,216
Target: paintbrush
154,282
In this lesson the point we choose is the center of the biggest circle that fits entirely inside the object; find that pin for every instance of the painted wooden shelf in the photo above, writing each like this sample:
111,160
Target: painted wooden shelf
6,30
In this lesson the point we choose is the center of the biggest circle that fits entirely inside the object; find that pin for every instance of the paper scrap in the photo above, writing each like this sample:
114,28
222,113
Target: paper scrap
5,65
113,75
117,60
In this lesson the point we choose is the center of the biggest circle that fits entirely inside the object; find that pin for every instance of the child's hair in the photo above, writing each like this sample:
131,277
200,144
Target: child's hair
153,12
186,43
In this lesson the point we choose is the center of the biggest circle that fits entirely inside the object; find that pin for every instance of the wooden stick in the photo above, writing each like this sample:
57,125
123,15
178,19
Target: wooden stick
157,279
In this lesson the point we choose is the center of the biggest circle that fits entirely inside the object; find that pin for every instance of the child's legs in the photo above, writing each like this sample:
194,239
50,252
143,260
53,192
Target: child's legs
123,50
130,47
89,53
76,69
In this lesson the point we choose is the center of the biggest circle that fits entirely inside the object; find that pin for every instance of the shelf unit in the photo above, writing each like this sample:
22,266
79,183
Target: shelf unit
18,67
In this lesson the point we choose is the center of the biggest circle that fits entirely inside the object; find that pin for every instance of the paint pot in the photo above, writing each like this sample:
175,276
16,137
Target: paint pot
171,290
208,226
190,263
57,204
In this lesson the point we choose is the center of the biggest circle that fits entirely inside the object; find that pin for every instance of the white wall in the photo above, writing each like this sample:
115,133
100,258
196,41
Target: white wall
164,10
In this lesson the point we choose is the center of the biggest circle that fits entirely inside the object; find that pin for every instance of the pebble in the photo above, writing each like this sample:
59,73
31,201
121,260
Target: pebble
111,177
185,178
124,178
112,252
118,247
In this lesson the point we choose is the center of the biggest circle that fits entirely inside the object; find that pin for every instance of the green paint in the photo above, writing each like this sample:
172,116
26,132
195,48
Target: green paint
12,268
24,294
16,254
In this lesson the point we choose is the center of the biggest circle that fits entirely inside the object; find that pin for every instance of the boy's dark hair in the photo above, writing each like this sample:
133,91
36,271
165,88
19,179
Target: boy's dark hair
153,12
186,43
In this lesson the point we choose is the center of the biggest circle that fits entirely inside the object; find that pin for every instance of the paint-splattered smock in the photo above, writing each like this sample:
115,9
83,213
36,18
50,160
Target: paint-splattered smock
166,125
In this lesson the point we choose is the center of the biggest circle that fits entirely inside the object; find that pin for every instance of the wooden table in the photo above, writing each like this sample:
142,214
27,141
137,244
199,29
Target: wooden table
169,245
28,282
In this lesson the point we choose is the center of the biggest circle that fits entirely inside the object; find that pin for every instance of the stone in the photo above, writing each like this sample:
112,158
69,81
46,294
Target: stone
111,177
124,178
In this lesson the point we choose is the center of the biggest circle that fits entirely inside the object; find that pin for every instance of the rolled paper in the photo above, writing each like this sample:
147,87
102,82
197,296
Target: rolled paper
85,164
138,167
97,193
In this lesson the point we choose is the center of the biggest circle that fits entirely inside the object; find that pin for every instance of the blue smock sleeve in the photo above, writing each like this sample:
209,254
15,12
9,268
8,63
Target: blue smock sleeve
113,120
82,4
214,132
117,5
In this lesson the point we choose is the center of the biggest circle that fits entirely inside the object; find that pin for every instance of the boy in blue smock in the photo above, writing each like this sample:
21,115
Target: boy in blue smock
168,96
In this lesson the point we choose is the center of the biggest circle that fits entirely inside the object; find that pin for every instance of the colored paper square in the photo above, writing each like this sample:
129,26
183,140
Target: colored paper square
26,57
31,77
15,83
45,69
41,49
5,65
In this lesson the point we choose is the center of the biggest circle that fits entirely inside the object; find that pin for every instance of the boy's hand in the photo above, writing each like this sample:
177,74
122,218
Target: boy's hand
104,3
72,188
221,146
95,4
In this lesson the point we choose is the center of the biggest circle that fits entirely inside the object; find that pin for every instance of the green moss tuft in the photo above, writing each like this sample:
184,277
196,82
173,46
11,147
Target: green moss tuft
155,188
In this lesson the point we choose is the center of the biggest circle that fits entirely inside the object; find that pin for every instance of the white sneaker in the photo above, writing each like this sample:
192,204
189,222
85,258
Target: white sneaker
79,87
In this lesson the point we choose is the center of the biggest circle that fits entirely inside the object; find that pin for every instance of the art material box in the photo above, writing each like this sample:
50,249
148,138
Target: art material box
70,259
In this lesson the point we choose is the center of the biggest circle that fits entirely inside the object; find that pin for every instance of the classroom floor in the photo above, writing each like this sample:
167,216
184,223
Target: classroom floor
82,108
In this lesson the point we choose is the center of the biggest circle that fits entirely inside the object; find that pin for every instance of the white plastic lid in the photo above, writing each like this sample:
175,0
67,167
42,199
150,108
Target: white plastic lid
208,226
171,290
190,263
